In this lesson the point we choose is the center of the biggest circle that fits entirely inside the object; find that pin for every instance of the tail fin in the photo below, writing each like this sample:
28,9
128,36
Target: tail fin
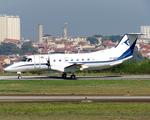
126,46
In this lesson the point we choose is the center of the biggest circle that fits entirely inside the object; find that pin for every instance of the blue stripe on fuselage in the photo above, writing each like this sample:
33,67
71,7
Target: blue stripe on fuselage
30,65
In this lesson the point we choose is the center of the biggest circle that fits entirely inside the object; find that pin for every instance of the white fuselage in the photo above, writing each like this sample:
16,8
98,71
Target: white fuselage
96,60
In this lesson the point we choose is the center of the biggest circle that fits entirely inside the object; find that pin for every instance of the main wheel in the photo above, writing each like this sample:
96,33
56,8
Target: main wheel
64,75
73,77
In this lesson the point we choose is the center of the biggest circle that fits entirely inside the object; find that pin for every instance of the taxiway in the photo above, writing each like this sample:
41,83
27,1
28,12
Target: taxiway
77,77
73,98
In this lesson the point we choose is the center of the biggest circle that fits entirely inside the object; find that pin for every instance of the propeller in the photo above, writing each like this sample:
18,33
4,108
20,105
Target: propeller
48,63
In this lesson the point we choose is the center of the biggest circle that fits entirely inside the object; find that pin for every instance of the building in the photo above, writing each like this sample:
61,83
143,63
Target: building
146,31
9,27
65,31
40,33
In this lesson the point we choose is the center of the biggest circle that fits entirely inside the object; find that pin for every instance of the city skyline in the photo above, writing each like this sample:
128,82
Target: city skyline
84,17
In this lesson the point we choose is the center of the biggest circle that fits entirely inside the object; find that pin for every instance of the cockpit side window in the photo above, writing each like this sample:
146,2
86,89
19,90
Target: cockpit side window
30,60
24,60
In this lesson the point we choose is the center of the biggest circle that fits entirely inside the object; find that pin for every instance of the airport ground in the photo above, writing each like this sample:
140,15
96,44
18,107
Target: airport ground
93,85
75,110
104,85
78,77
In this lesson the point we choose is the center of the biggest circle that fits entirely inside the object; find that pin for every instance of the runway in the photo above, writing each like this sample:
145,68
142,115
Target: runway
119,77
74,98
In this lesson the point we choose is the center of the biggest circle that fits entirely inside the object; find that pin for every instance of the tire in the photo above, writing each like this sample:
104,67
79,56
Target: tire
73,77
64,75
19,77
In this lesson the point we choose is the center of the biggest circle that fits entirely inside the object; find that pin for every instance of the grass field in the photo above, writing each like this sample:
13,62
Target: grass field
75,87
75,110
74,117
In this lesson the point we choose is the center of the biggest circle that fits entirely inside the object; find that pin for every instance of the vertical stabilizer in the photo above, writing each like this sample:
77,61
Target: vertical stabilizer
126,46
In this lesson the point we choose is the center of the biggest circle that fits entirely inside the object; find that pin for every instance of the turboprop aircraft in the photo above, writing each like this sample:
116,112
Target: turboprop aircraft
69,63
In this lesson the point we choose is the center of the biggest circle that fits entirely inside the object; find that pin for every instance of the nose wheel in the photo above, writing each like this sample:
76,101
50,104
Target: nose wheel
19,76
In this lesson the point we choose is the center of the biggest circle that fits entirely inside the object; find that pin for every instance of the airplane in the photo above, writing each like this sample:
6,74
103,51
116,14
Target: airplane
69,63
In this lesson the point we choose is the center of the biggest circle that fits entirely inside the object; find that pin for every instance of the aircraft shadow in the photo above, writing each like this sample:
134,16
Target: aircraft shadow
68,78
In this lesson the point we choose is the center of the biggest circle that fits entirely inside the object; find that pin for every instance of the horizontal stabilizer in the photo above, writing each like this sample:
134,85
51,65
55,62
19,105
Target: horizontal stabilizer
135,34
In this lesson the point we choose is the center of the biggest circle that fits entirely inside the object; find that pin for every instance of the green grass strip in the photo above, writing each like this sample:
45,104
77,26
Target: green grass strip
75,87
76,108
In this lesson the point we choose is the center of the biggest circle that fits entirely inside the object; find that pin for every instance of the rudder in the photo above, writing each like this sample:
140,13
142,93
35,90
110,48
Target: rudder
126,45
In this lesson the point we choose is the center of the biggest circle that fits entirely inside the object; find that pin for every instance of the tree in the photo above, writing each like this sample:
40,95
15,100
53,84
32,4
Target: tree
92,40
115,38
105,38
27,47
97,36
9,48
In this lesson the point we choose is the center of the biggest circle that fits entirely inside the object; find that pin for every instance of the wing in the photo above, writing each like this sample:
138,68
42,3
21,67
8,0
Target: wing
74,67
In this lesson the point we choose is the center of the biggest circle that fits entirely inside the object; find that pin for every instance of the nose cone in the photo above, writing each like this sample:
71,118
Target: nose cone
14,67
8,69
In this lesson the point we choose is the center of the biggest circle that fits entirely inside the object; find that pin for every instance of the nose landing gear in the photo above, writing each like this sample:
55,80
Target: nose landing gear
19,75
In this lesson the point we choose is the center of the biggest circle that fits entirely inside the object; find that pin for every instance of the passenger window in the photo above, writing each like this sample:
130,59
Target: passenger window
88,59
77,59
82,59
59,60
54,60
66,59
29,60
71,59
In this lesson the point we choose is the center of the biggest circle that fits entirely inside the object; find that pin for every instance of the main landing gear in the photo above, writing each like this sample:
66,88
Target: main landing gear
73,76
64,75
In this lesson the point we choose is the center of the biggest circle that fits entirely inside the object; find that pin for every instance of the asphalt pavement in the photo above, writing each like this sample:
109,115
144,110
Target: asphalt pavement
77,77
73,98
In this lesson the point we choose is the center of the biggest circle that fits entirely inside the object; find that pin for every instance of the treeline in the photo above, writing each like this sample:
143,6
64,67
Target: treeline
10,48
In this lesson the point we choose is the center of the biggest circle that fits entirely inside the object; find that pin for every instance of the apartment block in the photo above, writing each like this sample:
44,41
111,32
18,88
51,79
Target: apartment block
9,27
146,31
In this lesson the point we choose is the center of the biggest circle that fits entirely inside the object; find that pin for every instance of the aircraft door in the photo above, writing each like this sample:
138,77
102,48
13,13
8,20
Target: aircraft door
37,62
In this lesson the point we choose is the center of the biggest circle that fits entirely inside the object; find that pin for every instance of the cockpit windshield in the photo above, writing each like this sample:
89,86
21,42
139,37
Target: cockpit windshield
27,60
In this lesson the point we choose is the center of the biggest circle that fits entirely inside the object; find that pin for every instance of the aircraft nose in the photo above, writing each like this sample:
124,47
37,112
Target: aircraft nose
8,69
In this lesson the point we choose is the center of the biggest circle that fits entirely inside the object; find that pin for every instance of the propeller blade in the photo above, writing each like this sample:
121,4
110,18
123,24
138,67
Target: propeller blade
48,63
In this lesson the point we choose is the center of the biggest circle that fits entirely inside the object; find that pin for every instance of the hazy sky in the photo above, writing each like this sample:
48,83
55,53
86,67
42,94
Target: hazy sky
84,17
